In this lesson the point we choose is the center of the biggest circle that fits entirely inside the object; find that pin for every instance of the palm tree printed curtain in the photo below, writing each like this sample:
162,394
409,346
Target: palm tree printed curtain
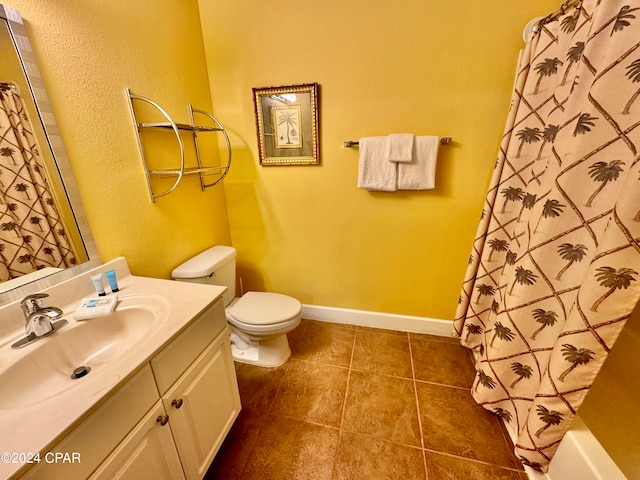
32,235
554,271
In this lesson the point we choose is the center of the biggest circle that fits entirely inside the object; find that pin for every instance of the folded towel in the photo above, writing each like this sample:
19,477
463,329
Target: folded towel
401,147
420,174
92,307
375,171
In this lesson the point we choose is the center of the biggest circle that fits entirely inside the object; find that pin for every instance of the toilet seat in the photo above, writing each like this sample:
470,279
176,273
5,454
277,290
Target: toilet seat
258,321
265,309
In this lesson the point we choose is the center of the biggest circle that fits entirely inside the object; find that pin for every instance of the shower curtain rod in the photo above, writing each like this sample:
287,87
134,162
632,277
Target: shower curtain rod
567,5
12,86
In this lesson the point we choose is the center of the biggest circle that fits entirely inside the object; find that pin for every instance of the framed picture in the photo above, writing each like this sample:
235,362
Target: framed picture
287,124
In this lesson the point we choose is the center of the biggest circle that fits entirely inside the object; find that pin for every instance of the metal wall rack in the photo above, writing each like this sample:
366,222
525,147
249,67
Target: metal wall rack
200,171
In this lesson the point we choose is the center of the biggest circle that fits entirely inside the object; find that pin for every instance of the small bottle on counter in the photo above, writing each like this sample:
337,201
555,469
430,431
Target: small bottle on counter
111,278
97,283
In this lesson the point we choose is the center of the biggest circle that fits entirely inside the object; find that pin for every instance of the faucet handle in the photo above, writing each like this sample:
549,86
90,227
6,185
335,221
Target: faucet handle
32,303
39,325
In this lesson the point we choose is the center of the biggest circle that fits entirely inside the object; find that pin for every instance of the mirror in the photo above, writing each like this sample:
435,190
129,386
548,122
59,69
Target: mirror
20,72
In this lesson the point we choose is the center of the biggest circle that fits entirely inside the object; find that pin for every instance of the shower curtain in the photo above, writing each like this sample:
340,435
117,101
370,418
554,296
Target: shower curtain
554,269
32,234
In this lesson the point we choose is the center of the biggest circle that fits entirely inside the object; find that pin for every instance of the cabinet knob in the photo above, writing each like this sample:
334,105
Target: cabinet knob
177,402
162,419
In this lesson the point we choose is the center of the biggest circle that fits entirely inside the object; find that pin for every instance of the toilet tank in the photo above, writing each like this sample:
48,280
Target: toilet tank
214,266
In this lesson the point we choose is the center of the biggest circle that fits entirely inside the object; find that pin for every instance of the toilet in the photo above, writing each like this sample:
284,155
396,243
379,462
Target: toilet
259,321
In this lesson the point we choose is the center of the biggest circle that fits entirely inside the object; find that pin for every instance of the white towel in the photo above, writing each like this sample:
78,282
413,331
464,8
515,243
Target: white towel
401,147
375,171
93,307
420,174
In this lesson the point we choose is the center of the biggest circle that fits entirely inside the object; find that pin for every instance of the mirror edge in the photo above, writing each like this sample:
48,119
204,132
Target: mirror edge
27,57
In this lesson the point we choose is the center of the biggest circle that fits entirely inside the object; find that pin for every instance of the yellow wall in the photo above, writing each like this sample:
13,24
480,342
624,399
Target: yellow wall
89,52
431,67
611,407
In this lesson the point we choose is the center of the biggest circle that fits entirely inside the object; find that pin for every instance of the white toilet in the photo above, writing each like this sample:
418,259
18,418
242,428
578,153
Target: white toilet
259,321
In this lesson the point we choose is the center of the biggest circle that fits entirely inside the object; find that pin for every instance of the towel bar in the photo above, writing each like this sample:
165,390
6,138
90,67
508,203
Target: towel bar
352,143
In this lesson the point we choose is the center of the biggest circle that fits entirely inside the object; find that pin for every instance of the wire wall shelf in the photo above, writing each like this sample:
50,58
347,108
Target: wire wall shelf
201,171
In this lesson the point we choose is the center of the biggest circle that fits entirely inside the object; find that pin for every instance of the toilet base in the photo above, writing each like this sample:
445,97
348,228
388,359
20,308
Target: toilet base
270,352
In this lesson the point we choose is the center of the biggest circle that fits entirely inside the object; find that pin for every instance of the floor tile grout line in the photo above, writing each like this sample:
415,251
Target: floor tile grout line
346,391
344,406
280,383
342,431
444,385
468,459
344,367
305,420
415,393
381,439
382,374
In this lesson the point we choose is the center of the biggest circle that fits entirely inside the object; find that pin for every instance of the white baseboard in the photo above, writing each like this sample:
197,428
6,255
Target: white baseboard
388,321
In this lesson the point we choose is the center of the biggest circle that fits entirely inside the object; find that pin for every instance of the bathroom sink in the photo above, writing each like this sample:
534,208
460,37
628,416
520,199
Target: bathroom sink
47,368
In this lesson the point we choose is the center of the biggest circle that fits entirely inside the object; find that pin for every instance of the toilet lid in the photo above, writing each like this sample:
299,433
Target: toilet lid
262,308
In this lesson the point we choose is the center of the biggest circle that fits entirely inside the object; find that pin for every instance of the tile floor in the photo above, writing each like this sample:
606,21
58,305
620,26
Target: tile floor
362,403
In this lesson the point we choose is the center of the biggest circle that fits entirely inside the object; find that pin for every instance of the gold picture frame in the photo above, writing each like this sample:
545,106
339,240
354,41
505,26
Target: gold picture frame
287,124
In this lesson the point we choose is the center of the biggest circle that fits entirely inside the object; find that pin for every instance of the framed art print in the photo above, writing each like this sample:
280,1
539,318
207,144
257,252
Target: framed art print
287,124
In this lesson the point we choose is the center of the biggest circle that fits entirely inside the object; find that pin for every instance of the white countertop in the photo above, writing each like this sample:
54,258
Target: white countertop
33,428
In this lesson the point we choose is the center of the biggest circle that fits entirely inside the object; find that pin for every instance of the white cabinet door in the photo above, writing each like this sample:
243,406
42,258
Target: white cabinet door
147,453
202,406
101,432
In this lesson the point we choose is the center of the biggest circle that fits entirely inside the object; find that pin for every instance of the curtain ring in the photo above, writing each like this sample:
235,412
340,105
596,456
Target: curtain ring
545,20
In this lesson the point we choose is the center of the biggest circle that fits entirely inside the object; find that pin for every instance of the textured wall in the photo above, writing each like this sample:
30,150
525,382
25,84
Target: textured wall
89,52
432,67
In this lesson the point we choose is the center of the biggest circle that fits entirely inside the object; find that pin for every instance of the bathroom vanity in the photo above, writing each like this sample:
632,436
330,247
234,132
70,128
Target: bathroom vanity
160,394
158,401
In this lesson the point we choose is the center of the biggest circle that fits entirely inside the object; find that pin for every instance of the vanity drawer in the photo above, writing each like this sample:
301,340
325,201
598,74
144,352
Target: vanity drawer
176,357
96,437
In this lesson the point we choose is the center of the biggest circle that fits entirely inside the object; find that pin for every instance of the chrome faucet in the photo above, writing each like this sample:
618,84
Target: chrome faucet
39,319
